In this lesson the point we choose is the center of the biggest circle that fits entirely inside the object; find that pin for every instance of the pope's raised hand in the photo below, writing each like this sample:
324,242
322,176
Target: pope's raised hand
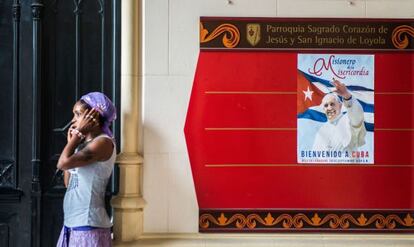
341,90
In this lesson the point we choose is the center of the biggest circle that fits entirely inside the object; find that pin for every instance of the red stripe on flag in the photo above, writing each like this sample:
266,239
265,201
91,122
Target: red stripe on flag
308,94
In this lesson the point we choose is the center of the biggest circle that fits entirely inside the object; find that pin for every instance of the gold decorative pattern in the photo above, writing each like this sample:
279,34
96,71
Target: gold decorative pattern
245,129
249,92
293,92
300,221
393,129
231,36
399,36
269,220
285,129
309,165
205,220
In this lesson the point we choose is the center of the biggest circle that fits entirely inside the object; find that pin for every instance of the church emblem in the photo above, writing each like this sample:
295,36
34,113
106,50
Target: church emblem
253,33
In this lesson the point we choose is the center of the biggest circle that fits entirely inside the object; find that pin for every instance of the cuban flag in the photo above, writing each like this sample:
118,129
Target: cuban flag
312,89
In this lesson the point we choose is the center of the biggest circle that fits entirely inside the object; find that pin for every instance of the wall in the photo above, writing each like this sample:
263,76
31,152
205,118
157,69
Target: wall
170,55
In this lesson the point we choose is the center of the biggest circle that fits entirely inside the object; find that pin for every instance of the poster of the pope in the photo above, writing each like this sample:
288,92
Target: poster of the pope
335,109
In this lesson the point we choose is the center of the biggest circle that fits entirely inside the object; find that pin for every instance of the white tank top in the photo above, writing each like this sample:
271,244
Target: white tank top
84,204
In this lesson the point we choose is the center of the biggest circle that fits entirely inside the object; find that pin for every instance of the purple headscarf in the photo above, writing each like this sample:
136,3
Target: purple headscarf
105,108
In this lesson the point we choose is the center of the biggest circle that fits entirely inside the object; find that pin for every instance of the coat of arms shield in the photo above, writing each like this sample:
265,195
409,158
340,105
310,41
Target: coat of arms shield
253,33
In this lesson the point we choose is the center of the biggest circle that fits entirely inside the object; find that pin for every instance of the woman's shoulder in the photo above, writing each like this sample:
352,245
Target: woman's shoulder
102,146
104,139
100,140
103,135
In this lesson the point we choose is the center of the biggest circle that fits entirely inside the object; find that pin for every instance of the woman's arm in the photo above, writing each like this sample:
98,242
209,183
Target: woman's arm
97,150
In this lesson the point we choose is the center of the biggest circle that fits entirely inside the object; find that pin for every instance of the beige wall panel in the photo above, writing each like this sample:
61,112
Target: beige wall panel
390,8
155,192
321,8
248,8
156,37
182,202
184,26
166,101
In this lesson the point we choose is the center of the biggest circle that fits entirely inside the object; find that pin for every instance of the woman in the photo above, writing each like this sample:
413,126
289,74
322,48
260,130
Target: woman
87,161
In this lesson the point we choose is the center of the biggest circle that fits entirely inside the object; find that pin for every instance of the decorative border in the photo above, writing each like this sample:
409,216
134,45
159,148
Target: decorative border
306,34
400,36
305,220
230,41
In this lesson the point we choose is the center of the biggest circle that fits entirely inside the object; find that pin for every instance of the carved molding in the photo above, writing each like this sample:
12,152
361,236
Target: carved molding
400,36
7,173
16,11
78,5
316,220
231,34
37,11
101,7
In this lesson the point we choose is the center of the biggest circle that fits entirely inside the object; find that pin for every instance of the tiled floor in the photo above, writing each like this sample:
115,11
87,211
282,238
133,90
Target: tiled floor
273,240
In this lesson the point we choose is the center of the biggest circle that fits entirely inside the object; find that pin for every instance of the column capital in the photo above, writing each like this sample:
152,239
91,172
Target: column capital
129,158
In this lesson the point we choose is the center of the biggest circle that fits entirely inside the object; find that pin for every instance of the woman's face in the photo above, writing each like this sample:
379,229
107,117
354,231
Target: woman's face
78,110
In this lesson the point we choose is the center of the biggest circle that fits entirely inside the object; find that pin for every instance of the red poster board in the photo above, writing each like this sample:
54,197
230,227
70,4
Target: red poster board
241,133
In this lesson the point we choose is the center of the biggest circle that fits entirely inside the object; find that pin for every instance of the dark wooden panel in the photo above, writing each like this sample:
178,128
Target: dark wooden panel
76,61
52,52
21,226
52,218
4,235
7,110
90,45
8,217
6,173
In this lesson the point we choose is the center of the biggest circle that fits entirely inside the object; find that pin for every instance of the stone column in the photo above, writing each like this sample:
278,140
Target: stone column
128,204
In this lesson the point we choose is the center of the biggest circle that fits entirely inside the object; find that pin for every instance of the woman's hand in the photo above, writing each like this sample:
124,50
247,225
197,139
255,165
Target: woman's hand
88,120
69,136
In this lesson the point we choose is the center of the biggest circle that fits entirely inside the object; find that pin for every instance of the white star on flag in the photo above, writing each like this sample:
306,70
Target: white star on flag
308,94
